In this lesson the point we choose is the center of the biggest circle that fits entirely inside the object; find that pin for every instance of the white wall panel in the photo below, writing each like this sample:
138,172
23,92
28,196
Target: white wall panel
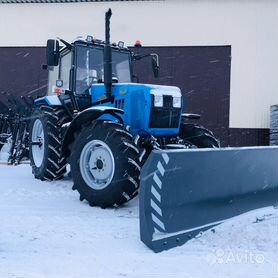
250,26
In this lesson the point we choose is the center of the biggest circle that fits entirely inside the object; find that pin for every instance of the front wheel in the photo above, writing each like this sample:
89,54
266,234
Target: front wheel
105,164
198,136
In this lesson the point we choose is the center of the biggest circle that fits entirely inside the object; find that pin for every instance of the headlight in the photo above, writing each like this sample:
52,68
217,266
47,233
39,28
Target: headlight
158,101
177,102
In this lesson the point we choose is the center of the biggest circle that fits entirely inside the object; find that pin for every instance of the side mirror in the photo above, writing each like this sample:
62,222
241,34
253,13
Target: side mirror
155,65
52,53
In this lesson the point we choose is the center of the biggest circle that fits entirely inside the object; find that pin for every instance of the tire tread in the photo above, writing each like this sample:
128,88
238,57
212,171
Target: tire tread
55,164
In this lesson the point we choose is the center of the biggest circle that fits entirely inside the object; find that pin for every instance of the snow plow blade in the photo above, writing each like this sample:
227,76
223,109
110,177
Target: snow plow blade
184,192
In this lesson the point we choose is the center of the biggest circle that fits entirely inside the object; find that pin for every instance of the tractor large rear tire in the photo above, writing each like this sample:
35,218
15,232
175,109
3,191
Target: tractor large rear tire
105,164
46,143
198,136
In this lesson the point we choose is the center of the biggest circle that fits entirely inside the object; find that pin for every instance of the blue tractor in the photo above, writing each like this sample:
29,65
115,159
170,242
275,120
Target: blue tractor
103,125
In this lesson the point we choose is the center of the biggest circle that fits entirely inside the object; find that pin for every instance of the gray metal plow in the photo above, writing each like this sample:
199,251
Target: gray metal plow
187,191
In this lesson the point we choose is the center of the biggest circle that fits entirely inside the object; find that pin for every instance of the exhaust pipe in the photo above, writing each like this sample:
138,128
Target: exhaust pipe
108,56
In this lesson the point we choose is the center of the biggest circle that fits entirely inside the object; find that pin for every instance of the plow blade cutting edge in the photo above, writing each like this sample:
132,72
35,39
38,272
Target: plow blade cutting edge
184,192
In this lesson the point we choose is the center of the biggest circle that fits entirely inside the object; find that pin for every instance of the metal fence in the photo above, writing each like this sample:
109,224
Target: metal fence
273,125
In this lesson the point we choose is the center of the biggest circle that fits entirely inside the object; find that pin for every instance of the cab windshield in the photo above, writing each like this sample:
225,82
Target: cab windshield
90,67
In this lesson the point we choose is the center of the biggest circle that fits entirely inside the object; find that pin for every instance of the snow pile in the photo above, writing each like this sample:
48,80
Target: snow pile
46,232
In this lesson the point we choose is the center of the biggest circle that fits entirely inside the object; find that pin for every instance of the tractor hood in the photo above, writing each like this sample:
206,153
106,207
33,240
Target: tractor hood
152,108
98,90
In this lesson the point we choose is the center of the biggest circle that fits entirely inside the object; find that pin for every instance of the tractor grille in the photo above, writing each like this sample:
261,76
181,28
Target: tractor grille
166,116
167,101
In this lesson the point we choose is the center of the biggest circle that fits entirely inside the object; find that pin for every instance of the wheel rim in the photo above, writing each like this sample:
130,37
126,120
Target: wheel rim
97,164
38,143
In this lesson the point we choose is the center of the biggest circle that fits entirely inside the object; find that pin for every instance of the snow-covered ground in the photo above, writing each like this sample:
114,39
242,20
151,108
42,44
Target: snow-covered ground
46,232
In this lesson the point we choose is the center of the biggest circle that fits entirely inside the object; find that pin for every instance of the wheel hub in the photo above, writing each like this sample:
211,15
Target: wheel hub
97,165
38,143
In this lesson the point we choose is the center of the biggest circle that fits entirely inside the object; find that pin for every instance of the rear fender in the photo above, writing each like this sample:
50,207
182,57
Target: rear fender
86,117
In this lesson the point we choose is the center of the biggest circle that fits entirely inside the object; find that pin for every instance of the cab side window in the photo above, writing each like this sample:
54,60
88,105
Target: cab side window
53,73
65,66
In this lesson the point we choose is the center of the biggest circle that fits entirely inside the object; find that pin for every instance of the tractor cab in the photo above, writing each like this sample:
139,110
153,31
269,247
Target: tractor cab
80,65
